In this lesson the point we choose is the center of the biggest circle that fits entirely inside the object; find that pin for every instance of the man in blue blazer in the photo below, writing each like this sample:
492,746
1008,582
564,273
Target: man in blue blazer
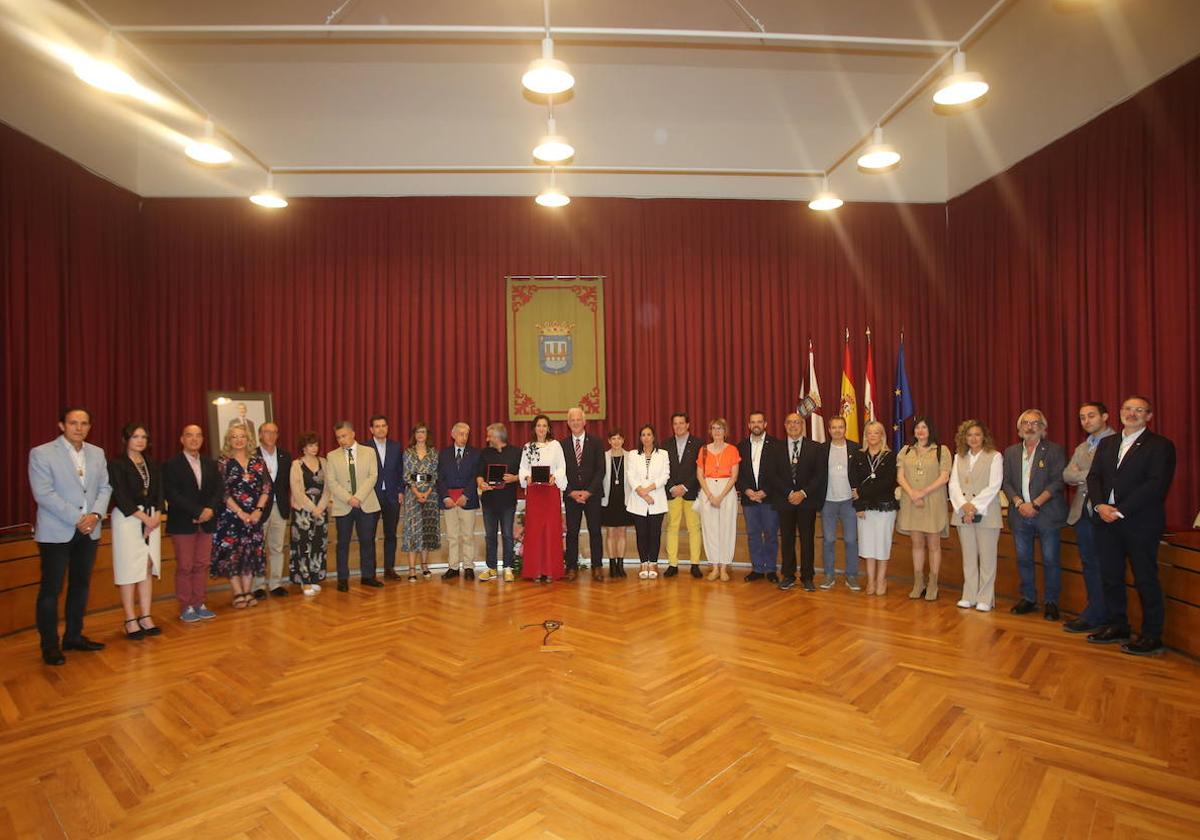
69,479
459,493
1033,482
388,487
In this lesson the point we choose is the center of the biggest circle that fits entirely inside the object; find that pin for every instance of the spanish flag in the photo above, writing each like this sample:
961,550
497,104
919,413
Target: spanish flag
849,407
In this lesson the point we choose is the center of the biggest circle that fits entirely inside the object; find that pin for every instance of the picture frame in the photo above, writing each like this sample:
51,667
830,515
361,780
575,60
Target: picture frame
229,406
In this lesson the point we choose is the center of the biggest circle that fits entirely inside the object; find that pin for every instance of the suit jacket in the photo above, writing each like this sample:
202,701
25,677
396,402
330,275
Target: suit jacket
1076,475
683,471
745,478
810,475
366,473
61,498
128,491
461,475
390,484
1139,484
281,485
588,474
852,449
186,500
1049,461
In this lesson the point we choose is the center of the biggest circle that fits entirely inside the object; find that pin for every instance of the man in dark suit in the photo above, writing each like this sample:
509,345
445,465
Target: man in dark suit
388,488
1127,487
194,494
278,511
798,476
584,455
457,465
683,450
755,489
1037,508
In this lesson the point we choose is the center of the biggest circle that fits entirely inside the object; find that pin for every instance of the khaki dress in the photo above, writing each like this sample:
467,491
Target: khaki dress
920,469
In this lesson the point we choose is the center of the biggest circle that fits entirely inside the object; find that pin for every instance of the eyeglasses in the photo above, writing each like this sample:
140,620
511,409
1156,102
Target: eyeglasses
1135,409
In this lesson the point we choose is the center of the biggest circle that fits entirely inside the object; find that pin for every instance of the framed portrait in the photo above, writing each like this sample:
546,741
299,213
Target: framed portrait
226,409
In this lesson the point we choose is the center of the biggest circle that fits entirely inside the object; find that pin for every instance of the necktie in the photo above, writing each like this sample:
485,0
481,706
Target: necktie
578,452
458,457
353,472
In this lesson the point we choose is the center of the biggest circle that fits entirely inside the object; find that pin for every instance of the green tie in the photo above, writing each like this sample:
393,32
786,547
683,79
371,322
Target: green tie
353,472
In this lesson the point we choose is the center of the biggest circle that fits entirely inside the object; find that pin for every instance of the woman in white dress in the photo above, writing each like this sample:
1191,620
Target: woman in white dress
137,499
646,474
542,559
717,470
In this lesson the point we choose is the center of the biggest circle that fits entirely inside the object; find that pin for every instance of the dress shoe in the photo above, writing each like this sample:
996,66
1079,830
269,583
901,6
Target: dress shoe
696,573
753,576
612,568
671,571
390,574
137,633
343,586
82,643
469,574
374,583
569,576
450,574
1078,625
260,594
279,591
1144,646
1022,607
597,574
1051,613
1113,634
772,577
53,656
152,630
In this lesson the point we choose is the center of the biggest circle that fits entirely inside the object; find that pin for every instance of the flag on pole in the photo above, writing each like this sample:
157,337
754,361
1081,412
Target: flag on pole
849,404
902,404
816,424
868,401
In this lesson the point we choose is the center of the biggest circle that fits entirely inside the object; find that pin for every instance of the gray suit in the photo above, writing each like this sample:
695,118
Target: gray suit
1076,474
1046,473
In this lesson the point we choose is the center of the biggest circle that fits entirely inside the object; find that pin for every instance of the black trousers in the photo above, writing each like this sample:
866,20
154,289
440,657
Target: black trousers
1116,541
791,520
575,514
649,536
364,523
390,514
58,559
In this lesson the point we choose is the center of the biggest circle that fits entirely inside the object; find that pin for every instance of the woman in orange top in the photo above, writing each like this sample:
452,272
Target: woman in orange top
717,469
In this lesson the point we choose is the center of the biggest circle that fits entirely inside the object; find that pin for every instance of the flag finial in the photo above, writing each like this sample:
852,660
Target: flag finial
847,334
868,333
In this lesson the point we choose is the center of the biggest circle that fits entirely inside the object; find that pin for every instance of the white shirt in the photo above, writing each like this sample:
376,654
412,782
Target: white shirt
680,445
381,451
985,496
756,448
1123,450
577,441
839,476
549,454
272,461
80,459
1026,469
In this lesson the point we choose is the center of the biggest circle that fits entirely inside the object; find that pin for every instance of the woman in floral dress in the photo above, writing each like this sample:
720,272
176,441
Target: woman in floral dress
237,551
422,517
310,507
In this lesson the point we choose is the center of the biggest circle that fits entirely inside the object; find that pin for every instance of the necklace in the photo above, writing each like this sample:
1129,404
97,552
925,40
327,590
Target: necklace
874,461
144,474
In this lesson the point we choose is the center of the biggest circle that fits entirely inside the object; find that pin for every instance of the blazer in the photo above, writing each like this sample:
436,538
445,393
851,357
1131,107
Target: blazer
810,475
1049,461
638,475
186,499
61,498
876,491
852,449
588,474
281,485
608,456
1139,485
975,485
389,486
745,478
128,492
337,476
1076,474
462,475
683,471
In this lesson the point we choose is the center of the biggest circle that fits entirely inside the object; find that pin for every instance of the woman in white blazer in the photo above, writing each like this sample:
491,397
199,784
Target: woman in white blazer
974,492
646,474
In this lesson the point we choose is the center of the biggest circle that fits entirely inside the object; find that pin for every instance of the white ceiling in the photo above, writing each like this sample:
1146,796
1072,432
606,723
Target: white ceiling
306,101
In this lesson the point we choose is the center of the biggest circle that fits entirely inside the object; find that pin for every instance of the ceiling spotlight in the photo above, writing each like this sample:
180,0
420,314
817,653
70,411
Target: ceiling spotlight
268,197
206,150
547,75
106,74
825,200
879,156
960,89
552,196
553,148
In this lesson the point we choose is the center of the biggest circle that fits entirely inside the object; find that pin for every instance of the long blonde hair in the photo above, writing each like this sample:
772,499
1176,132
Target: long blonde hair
227,447
875,424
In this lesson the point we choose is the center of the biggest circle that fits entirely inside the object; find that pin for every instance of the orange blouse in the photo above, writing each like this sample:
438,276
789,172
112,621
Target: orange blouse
718,466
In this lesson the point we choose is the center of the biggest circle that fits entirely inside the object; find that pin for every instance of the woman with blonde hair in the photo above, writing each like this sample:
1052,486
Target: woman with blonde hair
717,470
238,542
975,483
873,485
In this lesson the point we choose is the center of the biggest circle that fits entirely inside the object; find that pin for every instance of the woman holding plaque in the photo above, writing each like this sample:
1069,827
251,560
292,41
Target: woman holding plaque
717,470
422,514
543,474
923,471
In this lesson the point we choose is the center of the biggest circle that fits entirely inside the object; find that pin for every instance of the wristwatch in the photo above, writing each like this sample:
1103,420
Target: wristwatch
1036,506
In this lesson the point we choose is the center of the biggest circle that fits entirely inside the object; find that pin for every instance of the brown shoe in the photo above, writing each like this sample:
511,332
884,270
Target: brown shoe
597,574
390,574
569,575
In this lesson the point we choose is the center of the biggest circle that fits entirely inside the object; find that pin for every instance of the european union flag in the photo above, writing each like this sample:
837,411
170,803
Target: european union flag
902,404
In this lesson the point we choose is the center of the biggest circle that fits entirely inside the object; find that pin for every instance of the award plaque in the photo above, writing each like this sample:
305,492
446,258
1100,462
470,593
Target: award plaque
540,474
495,475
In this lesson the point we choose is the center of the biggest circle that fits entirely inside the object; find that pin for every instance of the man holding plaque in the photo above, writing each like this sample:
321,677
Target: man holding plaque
583,497
457,467
496,481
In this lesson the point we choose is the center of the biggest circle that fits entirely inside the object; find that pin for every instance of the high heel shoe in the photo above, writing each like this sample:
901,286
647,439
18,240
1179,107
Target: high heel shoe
714,573
153,630
918,590
931,591
137,634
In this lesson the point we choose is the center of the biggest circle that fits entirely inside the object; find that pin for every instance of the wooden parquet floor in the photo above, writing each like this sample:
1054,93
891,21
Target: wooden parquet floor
676,709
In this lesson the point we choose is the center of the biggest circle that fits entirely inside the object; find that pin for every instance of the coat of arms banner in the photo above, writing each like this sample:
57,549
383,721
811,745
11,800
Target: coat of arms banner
555,346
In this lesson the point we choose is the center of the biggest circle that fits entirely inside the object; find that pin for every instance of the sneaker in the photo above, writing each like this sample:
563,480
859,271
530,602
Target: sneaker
808,586
787,583
981,607
964,604
829,582
316,587
486,575
189,615
205,613
852,584
308,590
508,576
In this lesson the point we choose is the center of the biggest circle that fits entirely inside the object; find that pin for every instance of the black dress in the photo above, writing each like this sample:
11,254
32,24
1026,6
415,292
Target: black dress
615,515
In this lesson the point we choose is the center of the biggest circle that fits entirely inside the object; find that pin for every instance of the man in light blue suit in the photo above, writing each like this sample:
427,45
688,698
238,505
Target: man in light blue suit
70,485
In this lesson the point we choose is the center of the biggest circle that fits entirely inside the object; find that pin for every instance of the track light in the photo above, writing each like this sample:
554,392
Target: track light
106,74
879,156
553,148
960,90
268,197
825,200
206,150
552,196
547,75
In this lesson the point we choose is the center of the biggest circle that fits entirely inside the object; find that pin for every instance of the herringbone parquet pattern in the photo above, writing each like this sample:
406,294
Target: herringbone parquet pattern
675,708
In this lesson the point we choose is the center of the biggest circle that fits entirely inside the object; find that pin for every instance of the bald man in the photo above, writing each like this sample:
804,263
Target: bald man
194,494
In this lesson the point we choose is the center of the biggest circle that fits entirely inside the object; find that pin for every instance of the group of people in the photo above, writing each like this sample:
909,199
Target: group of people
228,518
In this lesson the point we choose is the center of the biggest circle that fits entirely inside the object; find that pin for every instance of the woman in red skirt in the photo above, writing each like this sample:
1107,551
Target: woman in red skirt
543,557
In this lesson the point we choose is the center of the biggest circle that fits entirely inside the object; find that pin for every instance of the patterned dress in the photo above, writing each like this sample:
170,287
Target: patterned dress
310,534
238,546
422,520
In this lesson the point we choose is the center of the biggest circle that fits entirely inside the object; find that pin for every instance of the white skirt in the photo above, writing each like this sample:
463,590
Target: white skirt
131,555
875,534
